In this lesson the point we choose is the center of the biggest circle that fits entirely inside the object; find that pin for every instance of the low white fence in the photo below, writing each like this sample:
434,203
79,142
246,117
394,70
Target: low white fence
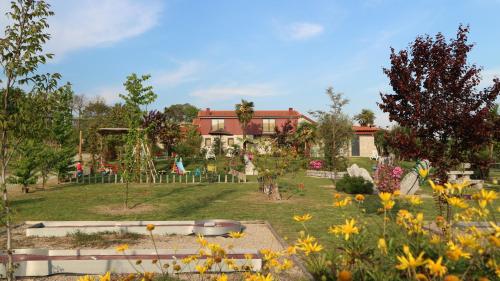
159,179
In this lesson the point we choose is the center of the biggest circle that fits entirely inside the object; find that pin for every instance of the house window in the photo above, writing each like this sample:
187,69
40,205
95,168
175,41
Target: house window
230,141
208,142
268,125
217,124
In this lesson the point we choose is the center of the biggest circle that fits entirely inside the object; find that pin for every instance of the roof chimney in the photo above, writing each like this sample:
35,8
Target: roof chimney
290,109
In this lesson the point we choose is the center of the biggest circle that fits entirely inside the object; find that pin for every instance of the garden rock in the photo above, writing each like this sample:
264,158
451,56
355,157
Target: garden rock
356,171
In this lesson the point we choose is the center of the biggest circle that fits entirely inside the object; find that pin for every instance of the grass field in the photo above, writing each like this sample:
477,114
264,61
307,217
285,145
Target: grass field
199,201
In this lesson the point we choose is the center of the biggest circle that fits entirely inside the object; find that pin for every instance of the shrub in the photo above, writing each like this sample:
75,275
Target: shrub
354,185
388,177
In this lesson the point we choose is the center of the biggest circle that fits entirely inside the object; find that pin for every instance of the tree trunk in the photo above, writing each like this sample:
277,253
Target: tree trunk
10,261
126,195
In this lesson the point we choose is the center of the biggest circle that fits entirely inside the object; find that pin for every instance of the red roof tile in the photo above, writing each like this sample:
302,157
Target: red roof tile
363,130
257,113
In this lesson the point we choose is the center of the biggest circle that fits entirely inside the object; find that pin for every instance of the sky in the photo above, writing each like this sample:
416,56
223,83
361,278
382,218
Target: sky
279,54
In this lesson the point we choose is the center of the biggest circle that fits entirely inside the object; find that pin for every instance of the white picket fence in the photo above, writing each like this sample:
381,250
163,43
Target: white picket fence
159,179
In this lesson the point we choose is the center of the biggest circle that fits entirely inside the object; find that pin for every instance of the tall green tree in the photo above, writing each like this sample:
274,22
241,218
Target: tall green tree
365,118
138,95
95,115
63,135
335,129
244,111
21,53
181,113
25,165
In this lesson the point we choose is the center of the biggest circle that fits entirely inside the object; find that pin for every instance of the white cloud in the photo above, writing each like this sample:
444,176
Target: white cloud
186,72
110,94
488,75
94,23
234,92
303,30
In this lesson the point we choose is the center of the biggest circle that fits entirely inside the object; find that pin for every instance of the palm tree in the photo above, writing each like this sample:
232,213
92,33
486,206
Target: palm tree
305,136
244,111
365,118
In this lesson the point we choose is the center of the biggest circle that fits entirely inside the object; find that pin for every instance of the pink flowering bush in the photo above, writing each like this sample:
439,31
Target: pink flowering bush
388,178
316,164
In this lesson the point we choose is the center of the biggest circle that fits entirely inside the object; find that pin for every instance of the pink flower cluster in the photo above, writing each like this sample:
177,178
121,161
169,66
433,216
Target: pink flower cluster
388,178
316,164
397,172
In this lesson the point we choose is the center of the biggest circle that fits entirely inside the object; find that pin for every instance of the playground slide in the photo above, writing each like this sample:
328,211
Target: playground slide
180,167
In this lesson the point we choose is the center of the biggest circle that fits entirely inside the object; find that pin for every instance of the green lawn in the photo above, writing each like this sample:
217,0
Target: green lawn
199,201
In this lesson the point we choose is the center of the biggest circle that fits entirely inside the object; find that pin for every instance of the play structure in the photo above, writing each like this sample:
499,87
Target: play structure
178,166
141,152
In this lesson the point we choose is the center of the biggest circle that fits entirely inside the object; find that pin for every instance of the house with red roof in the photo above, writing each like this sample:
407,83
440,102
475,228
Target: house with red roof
224,124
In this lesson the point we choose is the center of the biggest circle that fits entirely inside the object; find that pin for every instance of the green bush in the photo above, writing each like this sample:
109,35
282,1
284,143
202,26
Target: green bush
354,185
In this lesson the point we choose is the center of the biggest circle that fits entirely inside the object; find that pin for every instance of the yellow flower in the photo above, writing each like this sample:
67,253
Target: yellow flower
388,204
396,193
337,196
421,277
236,235
148,276
359,198
86,278
437,188
150,227
486,197
382,246
287,264
423,172
223,277
435,239
495,241
259,277
409,261
456,252
201,240
414,199
122,248
291,250
345,275
436,268
105,277
385,196
311,248
347,229
451,277
342,203
467,240
201,269
302,218
306,239
457,202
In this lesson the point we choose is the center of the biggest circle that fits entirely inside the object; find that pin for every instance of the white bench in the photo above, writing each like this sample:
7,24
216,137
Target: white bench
461,176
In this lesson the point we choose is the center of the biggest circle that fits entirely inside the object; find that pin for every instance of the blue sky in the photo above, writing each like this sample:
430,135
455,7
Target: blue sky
278,54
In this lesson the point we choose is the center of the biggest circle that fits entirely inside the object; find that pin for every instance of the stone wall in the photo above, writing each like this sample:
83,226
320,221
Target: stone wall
324,174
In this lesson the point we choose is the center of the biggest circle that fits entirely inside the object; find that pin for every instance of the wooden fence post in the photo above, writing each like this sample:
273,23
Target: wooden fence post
167,178
225,178
218,178
116,178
